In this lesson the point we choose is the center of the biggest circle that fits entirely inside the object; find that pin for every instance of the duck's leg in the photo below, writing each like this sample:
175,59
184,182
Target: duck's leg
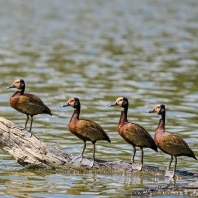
169,173
24,125
31,124
88,162
169,165
26,121
81,154
138,166
142,157
175,166
24,131
133,156
94,151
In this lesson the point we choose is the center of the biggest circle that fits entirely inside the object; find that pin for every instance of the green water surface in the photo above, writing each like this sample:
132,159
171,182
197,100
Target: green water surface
97,51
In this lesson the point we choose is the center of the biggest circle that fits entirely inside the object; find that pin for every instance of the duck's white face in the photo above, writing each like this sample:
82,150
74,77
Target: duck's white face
159,108
119,101
71,102
18,83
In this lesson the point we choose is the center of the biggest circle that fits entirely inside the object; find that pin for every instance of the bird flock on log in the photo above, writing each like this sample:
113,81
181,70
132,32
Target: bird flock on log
88,130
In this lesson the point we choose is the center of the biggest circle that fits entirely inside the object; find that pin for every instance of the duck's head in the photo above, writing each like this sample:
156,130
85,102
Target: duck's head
159,109
121,101
73,102
18,83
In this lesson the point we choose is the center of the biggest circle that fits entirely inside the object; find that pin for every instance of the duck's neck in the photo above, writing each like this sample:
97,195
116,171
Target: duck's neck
19,92
22,90
161,124
123,116
75,115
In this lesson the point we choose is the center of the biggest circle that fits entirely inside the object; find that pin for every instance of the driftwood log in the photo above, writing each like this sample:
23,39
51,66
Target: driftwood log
30,152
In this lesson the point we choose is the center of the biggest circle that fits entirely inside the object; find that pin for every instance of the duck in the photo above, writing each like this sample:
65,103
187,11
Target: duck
27,103
132,133
86,130
169,143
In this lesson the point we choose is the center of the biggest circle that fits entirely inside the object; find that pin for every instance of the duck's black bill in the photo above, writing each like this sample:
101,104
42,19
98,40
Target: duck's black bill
10,87
152,111
111,105
65,105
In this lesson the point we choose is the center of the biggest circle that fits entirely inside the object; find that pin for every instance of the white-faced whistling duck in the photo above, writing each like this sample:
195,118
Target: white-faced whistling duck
133,133
86,130
170,144
26,103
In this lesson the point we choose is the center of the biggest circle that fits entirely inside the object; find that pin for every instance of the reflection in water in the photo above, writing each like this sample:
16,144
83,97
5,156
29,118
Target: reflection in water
17,183
48,183
98,51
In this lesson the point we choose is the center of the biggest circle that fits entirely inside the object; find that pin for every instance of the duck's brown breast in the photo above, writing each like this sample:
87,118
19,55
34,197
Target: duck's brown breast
14,101
72,125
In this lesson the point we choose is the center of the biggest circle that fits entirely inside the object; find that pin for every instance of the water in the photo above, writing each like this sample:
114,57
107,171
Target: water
98,51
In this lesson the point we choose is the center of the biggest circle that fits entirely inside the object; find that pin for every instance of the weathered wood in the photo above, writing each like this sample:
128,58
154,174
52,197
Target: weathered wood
30,152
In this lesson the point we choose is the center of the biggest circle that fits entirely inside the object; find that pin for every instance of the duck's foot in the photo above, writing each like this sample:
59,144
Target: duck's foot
140,167
136,166
78,159
88,162
26,133
83,161
18,127
170,174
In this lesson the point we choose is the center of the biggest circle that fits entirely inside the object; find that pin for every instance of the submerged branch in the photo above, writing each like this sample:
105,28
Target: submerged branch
189,189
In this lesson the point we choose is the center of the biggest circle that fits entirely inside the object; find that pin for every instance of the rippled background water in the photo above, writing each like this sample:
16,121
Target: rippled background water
97,51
